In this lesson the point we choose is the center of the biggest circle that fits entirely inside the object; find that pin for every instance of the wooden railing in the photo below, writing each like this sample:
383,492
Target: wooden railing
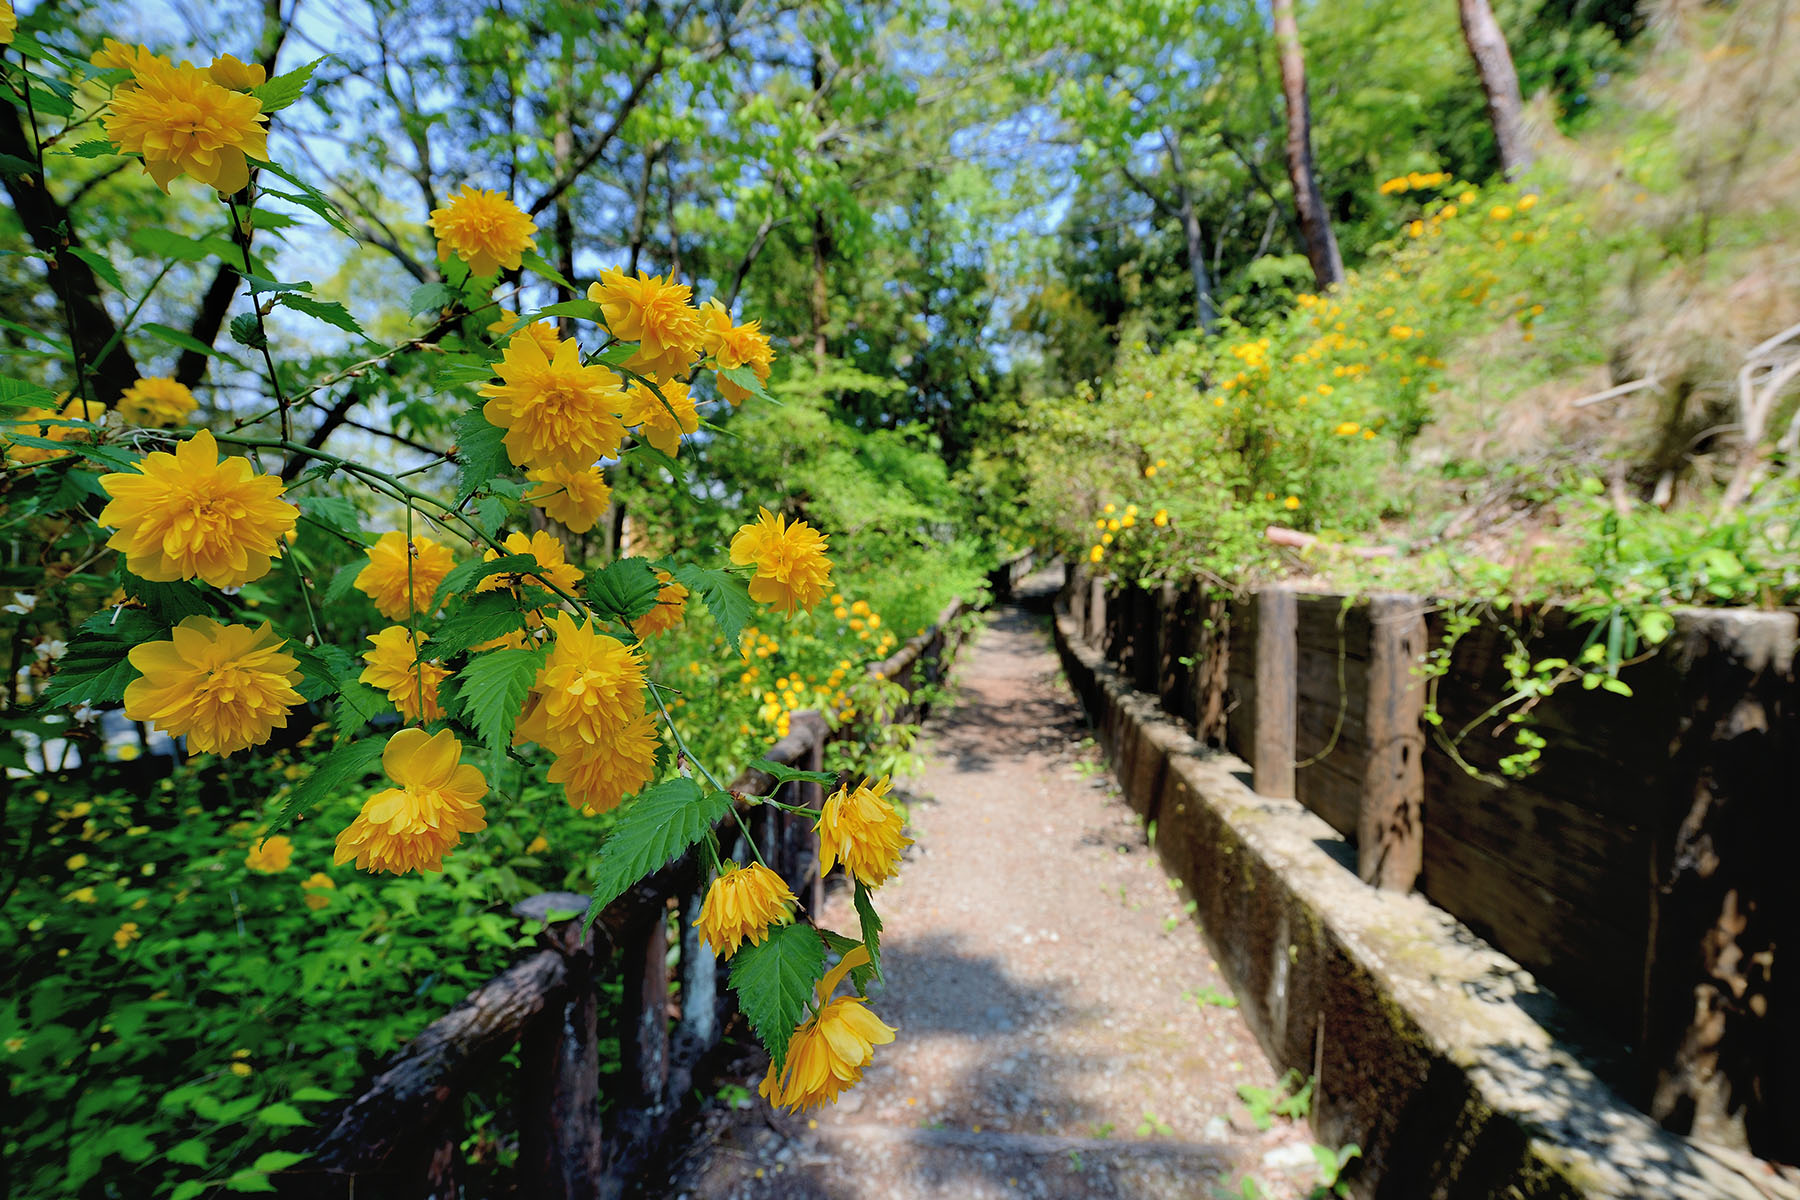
400,1136
1636,871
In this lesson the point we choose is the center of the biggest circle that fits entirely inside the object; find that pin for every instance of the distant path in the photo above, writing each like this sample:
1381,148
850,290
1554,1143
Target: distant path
1037,961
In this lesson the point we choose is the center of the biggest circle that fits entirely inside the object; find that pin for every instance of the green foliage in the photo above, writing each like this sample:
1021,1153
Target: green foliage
663,821
774,982
492,689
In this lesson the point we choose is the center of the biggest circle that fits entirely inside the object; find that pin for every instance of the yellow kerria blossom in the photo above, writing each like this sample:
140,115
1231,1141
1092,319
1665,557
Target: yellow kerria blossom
126,934
1161,518
596,778
394,668
654,312
402,583
271,855
193,515
184,123
223,687
484,229
575,496
156,402
117,55
741,905
228,72
538,845
1096,553
548,549
663,420
556,410
73,409
413,825
862,829
828,1051
671,603
1291,503
791,568
1346,428
590,687
733,346
9,23
315,890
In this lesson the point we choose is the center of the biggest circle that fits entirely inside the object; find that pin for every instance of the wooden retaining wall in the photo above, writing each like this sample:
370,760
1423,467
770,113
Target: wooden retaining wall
1639,872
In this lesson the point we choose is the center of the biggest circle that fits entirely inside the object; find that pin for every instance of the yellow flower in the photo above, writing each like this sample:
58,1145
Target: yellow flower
9,23
76,862
223,687
183,123
1500,212
1291,503
1528,202
828,1051
400,582
732,346
484,229
551,556
741,905
315,889
1096,553
556,411
191,515
83,895
1346,428
1161,518
71,410
116,55
270,855
671,603
575,496
654,312
862,829
663,420
414,825
538,845
126,934
394,668
590,687
157,402
596,778
228,72
791,568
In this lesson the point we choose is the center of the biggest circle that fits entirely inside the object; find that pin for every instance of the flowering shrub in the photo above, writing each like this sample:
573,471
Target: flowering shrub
505,659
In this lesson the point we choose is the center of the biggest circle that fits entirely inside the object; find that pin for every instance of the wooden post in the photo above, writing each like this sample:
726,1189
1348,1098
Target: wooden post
1390,829
1096,613
1277,685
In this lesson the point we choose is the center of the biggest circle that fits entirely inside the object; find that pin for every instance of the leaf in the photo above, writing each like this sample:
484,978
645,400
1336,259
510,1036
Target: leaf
249,1181
492,691
480,453
452,373
193,1152
340,515
871,925
626,589
428,299
246,330
94,670
538,265
97,148
465,575
100,265
106,456
276,1160
838,944
170,603
309,197
166,243
284,89
343,583
581,310
176,338
315,1095
17,168
322,666
482,619
790,774
190,1189
661,823
350,759
745,377
774,981
261,285
357,705
328,311
726,596
17,393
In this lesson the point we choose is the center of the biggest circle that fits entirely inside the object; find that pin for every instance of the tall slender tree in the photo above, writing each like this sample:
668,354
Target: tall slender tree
1315,222
1499,83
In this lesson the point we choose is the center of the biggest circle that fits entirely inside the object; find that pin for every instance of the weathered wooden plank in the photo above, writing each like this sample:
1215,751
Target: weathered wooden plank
1095,630
1317,626
1276,692
1333,793
1389,837
1240,694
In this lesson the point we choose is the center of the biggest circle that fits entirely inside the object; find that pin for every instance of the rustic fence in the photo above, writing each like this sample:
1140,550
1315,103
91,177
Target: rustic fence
1642,870
585,1133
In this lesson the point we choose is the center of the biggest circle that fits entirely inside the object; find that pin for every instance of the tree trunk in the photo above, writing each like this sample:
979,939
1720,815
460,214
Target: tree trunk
1206,313
1499,82
1315,222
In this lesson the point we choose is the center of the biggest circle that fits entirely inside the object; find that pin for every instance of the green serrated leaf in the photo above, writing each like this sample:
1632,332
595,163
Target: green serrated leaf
246,330
106,456
192,1152
328,311
315,1095
166,243
339,771
838,944
746,378
284,89
871,925
428,299
169,603
17,393
97,148
726,596
276,1160
322,666
538,265
482,619
492,690
357,705
309,197
580,310
100,265
661,823
339,514
626,589
263,286
94,670
343,584
775,980
249,1181
465,575
790,775
480,453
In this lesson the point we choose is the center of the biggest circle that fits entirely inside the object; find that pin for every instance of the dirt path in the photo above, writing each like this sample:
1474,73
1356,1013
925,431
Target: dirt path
1061,1026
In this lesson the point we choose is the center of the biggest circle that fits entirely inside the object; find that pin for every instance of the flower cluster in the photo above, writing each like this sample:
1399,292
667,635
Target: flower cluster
185,120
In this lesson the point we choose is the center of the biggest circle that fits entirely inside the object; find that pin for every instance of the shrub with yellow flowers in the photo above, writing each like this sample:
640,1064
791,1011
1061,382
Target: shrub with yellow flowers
505,664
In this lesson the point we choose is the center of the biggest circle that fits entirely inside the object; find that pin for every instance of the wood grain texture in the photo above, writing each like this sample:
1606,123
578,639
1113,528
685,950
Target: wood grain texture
1276,692
1390,837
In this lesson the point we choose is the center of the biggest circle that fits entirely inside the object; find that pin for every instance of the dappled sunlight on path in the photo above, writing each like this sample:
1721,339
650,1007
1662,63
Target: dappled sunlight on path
1061,1026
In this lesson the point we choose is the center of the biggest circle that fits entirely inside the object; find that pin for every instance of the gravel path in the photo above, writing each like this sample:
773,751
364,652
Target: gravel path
1061,1026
